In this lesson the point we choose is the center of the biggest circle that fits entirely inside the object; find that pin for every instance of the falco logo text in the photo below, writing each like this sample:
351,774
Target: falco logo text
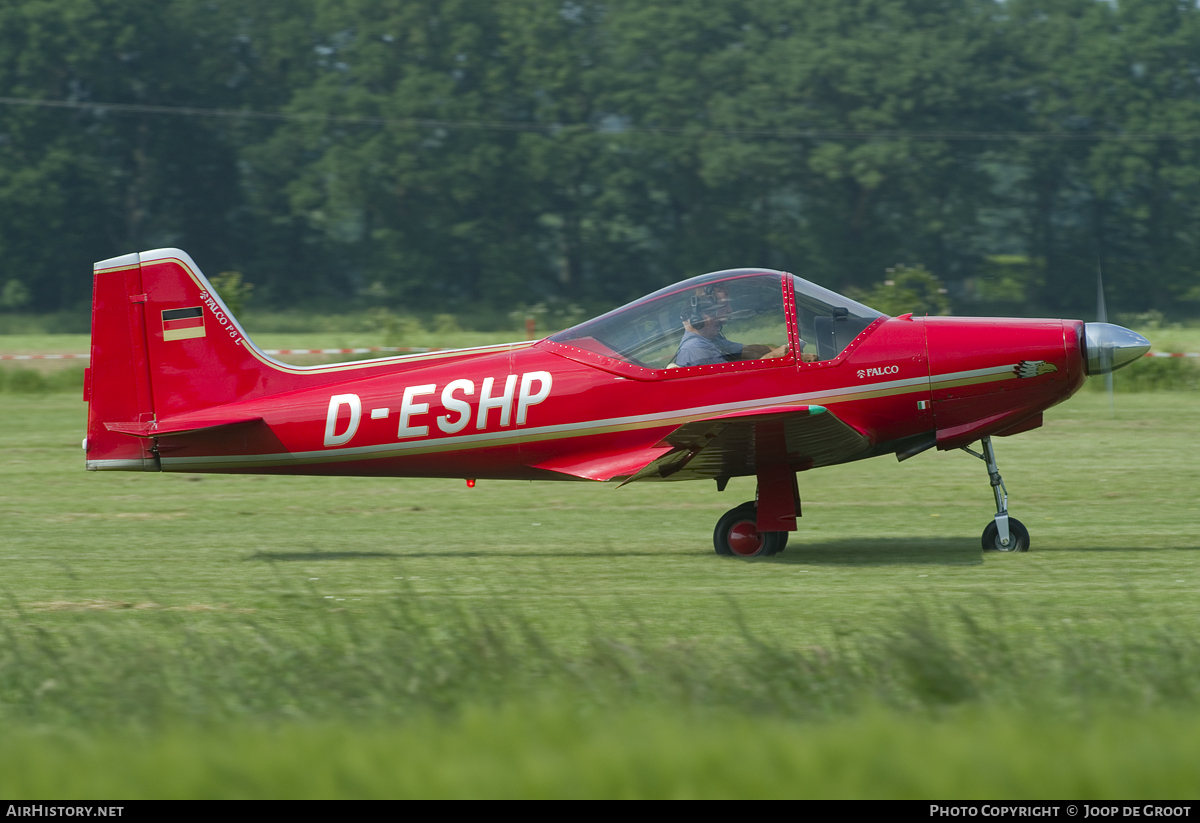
879,371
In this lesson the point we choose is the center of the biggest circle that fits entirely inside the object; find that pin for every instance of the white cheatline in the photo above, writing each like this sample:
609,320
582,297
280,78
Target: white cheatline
366,350
971,373
45,356
454,443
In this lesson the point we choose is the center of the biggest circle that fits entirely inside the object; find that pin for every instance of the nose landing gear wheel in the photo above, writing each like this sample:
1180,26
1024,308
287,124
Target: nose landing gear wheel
1018,537
737,534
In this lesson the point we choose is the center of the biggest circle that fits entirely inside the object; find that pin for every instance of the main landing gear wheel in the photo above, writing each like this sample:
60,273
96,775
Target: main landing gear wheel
737,534
1018,537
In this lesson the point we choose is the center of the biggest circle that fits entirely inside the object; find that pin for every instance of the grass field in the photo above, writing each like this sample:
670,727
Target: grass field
176,635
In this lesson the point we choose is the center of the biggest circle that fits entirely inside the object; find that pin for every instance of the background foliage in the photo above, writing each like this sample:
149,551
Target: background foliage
563,152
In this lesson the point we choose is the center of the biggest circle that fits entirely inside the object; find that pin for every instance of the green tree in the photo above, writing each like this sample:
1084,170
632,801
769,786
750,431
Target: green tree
233,290
907,289
14,295
888,70
517,152
82,184
1099,75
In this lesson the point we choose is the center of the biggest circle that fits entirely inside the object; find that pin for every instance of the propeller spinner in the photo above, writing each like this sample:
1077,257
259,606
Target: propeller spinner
1108,347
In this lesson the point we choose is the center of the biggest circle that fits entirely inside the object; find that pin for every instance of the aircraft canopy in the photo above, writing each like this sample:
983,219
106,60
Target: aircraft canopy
749,303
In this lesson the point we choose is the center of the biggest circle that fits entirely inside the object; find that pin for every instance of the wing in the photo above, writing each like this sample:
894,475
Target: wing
603,465
737,444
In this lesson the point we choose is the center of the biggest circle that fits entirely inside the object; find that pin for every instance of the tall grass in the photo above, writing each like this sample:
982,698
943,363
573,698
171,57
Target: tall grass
101,665
422,697
70,321
544,749
1155,374
27,381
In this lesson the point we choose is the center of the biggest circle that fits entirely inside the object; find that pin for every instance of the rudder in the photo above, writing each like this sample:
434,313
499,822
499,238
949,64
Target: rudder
117,384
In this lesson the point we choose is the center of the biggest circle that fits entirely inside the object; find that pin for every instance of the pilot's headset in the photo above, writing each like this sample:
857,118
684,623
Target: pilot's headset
696,306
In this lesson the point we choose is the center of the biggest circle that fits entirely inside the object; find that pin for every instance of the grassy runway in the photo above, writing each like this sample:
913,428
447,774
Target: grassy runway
172,613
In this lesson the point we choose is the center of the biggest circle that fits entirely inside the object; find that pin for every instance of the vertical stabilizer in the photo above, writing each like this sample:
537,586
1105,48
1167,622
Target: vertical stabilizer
163,344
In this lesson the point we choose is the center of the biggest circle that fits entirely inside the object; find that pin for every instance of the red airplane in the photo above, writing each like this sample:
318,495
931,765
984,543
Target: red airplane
746,372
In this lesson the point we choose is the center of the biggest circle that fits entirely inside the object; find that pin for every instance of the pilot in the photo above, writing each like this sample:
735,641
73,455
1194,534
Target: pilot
704,315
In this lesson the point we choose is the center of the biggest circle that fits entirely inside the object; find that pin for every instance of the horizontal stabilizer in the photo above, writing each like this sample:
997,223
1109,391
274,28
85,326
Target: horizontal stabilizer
161,429
732,445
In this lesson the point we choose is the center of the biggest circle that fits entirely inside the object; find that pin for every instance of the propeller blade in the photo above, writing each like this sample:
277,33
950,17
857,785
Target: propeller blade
1106,361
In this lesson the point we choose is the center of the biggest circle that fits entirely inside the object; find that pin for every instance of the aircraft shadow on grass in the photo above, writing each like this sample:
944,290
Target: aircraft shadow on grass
447,554
846,552
878,551
943,551
1090,549
320,555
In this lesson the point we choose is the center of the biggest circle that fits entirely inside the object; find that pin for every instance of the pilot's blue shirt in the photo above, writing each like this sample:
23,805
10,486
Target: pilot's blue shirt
698,350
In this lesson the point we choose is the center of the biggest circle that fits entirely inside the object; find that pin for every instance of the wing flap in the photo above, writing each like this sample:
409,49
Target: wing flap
604,465
732,445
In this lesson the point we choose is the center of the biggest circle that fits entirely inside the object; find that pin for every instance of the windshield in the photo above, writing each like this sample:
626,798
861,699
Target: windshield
714,318
827,321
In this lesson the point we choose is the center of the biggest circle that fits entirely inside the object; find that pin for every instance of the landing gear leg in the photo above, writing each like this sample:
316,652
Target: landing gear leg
1004,533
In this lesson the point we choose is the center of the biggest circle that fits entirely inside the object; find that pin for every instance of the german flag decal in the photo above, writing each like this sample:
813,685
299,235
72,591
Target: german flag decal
183,324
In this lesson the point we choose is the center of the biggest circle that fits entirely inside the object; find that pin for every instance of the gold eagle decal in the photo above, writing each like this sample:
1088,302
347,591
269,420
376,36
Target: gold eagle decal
1033,368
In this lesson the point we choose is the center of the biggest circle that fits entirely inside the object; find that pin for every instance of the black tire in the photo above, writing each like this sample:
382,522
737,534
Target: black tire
1017,533
737,536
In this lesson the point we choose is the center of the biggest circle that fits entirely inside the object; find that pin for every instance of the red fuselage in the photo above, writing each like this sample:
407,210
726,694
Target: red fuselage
548,412
176,386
